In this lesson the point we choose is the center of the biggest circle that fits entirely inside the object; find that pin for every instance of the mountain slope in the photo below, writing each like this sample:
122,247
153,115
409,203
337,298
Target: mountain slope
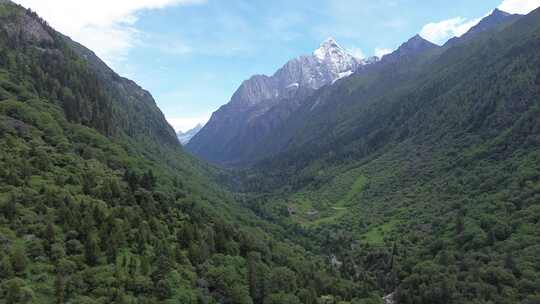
242,133
262,103
320,111
434,160
333,110
124,104
410,49
99,204
139,115
496,18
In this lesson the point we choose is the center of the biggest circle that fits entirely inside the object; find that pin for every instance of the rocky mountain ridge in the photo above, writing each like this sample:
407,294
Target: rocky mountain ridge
494,19
253,124
262,102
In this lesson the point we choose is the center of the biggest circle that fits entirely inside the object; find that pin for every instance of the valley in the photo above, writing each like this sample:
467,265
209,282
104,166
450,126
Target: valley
409,178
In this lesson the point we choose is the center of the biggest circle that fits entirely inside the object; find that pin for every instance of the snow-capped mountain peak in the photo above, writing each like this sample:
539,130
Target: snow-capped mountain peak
329,49
336,58
185,137
263,103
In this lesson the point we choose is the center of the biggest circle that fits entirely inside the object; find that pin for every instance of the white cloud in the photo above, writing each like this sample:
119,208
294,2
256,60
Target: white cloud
105,26
380,52
440,32
519,6
187,123
356,52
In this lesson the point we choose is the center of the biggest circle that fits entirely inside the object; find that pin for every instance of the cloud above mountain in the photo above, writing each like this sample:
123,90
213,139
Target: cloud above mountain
380,52
439,32
356,52
519,6
108,27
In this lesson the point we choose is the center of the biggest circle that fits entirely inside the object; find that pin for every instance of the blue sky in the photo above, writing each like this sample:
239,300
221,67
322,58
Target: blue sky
193,54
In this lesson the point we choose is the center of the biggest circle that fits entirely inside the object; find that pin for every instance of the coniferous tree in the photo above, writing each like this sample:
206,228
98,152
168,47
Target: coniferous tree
148,180
60,287
91,248
6,270
13,292
18,259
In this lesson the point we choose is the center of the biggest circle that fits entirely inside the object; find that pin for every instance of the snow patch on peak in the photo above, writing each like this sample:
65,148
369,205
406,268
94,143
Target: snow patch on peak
329,49
343,75
336,59
329,43
185,137
293,85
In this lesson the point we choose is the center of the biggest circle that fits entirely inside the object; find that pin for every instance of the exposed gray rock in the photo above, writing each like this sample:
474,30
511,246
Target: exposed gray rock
327,64
25,26
390,299
262,103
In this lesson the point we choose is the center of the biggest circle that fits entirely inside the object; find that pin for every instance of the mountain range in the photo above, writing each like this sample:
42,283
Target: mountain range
240,132
262,103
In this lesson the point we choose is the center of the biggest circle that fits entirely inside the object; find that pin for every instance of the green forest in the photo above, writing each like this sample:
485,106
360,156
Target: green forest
95,211
429,191
430,187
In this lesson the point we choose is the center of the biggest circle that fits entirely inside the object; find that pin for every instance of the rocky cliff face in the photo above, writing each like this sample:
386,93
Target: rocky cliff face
262,103
328,63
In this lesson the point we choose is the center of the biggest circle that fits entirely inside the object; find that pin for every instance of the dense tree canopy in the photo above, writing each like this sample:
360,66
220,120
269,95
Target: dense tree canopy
427,189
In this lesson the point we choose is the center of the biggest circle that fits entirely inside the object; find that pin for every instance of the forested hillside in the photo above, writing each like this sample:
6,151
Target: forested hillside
417,179
424,173
99,204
